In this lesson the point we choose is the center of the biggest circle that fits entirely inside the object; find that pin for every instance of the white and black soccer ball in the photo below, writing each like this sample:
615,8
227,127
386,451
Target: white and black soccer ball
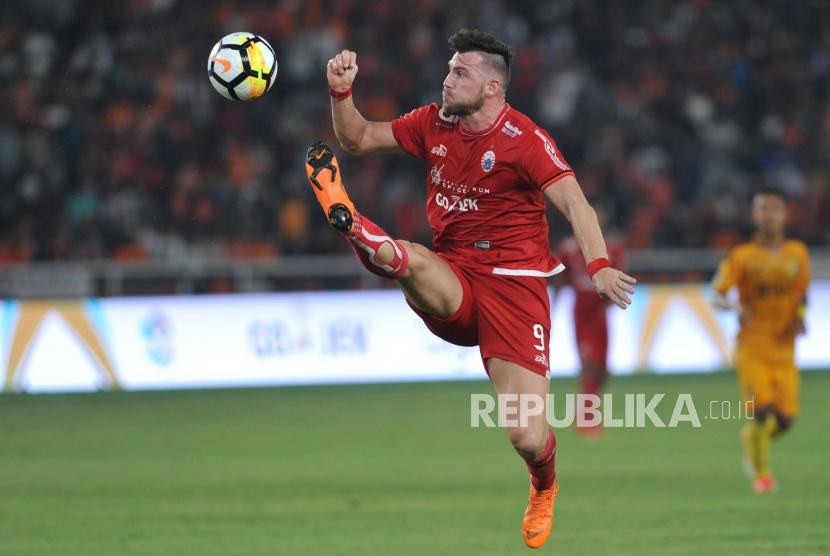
242,66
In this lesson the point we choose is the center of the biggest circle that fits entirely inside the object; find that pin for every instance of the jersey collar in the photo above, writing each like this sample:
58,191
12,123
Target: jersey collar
496,124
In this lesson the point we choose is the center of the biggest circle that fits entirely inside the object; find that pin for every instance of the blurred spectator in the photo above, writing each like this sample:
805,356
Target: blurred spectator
113,144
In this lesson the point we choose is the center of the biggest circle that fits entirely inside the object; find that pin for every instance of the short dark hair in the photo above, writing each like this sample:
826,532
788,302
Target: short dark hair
500,54
772,191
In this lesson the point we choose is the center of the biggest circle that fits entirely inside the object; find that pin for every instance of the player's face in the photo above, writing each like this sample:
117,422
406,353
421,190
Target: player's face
463,92
769,213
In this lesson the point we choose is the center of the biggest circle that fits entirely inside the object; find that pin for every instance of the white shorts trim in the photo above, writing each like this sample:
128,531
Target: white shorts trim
528,272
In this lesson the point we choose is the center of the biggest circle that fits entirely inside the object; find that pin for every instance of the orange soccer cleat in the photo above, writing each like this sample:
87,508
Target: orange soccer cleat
538,520
324,176
593,432
764,483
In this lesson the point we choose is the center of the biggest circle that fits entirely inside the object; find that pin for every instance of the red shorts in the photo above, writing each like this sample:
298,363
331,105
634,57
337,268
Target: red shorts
507,316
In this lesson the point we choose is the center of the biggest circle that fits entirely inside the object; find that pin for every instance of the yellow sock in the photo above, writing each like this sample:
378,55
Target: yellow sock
760,436
776,430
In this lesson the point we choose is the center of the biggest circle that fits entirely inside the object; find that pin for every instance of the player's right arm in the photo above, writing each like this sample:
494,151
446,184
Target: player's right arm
723,281
355,134
721,284
726,278
567,196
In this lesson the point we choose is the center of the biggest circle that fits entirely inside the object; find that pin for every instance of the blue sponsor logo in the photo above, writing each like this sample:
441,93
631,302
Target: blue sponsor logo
345,337
157,333
280,339
271,339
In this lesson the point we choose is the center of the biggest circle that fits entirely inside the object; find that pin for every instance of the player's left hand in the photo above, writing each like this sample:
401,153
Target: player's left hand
795,328
614,285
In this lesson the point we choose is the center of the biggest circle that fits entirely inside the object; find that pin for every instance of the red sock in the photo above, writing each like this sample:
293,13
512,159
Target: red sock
590,384
543,468
366,238
593,379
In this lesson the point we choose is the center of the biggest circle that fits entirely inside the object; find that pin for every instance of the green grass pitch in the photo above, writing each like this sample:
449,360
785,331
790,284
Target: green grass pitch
389,470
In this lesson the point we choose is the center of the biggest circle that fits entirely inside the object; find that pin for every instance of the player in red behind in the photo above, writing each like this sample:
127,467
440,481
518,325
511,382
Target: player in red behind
489,169
590,318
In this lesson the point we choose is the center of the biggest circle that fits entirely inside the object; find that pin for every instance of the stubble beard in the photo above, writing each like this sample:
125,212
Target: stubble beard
459,109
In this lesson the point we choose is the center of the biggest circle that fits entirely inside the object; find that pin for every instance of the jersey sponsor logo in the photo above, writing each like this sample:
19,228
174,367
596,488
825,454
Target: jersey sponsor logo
482,244
436,178
542,359
792,268
510,130
488,160
455,203
772,289
440,150
551,151
435,174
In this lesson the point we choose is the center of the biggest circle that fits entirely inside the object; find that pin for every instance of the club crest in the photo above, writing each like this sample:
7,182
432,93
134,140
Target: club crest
488,160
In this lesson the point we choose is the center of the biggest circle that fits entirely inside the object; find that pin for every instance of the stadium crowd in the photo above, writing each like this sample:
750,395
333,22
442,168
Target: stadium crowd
113,143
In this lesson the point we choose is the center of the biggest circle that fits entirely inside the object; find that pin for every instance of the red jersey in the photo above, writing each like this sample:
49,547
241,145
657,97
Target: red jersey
484,190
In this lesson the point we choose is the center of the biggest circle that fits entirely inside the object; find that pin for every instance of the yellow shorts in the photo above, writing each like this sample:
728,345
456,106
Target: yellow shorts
770,379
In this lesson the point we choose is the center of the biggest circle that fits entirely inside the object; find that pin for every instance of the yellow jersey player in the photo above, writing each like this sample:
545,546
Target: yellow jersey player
771,274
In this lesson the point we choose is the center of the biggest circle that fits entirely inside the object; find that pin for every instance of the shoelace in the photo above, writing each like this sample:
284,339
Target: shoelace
540,503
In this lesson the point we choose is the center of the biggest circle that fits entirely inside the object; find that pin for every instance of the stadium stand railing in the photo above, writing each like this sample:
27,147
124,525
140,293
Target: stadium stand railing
289,273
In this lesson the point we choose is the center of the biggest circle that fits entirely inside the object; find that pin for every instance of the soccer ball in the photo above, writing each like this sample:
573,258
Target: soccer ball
242,66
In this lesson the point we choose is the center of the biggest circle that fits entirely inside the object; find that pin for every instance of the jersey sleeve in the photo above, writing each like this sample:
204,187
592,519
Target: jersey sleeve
410,130
727,275
803,278
543,164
